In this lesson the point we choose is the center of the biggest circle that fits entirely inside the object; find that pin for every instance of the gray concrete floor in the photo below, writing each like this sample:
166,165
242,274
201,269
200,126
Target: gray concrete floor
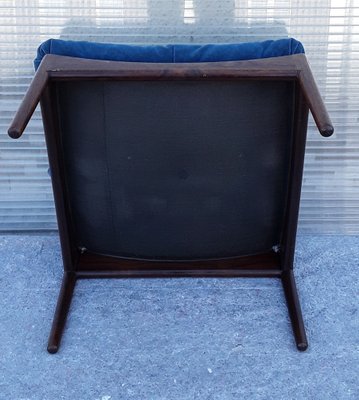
179,338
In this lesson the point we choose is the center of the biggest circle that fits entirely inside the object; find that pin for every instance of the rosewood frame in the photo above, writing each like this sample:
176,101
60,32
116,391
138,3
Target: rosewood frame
81,265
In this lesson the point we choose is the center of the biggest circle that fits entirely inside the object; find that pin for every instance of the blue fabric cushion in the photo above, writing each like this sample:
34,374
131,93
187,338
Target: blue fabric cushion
174,53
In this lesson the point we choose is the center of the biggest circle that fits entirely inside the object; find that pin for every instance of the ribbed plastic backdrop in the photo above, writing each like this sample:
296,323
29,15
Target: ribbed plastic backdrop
328,29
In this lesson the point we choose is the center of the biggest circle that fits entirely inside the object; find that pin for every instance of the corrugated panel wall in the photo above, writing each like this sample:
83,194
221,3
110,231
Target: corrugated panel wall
329,30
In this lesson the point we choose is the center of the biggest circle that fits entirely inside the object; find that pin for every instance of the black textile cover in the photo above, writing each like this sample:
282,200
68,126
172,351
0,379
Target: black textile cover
177,169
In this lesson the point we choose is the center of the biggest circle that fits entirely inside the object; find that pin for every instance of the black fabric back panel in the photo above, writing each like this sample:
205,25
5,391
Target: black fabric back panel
177,169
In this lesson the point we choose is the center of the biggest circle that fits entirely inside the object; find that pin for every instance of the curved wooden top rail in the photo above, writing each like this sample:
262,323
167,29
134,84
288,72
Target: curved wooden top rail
61,67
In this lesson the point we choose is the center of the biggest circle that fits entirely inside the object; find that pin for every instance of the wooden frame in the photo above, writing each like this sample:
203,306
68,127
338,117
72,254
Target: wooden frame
80,265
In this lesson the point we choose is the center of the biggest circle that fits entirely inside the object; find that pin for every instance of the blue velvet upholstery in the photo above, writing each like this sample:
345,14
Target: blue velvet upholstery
177,53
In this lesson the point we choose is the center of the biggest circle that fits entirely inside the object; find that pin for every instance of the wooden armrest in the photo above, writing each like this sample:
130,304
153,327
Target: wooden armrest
314,99
29,102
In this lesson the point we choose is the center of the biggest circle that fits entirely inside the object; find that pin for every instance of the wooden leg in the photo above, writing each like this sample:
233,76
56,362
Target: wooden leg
295,312
62,308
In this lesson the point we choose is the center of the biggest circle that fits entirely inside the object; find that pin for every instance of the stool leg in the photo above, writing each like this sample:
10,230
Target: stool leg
295,312
62,308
